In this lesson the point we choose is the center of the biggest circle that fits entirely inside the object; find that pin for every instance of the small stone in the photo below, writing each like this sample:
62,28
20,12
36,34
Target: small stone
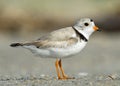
113,76
83,74
42,75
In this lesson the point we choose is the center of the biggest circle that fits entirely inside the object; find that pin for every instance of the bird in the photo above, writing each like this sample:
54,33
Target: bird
62,43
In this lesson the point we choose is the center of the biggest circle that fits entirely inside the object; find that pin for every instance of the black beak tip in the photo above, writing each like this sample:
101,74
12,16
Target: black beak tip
99,30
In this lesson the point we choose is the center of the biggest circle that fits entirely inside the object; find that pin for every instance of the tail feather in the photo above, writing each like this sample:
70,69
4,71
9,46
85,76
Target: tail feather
16,44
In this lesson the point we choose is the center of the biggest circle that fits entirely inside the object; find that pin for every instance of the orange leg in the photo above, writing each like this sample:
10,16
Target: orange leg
57,68
62,70
63,73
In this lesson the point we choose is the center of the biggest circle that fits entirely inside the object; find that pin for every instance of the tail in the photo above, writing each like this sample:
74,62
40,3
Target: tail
16,44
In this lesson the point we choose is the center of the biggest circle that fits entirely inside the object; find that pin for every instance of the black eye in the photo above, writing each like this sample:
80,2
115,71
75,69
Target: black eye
91,20
86,24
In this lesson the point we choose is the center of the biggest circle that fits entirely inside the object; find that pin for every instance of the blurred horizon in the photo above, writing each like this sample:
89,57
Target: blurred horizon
22,17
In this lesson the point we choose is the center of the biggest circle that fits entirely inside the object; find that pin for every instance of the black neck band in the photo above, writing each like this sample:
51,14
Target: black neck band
81,35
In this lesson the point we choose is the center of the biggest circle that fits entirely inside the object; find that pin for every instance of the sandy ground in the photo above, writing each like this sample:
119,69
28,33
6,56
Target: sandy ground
89,80
94,66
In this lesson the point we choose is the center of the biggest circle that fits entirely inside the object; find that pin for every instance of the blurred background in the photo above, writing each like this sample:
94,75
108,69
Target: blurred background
27,20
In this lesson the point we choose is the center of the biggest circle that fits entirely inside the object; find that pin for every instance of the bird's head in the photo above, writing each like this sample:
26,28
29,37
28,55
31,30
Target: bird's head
86,26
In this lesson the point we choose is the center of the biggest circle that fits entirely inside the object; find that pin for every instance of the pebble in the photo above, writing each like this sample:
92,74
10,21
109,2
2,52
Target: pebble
82,74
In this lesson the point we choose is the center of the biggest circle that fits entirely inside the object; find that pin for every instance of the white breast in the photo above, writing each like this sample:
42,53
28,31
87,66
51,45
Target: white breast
64,52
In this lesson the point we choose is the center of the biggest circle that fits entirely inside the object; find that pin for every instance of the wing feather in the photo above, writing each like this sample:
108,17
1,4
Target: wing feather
58,39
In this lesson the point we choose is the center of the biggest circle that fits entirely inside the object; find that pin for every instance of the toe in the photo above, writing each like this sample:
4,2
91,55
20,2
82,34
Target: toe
66,78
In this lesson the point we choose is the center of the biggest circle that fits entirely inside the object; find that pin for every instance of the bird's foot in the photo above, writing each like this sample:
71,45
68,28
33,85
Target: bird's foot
65,78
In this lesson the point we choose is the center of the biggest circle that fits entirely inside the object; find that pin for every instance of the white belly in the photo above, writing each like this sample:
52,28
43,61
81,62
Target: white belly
57,52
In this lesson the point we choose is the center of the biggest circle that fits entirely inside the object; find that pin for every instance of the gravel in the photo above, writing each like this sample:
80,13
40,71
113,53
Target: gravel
89,80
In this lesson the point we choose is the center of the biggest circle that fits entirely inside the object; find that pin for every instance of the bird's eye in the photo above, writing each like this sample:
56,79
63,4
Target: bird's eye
91,20
86,24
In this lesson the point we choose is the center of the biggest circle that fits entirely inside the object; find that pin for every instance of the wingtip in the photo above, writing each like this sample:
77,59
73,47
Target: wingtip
15,44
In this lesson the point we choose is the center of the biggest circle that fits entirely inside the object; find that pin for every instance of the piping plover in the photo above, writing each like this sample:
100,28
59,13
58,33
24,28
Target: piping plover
62,43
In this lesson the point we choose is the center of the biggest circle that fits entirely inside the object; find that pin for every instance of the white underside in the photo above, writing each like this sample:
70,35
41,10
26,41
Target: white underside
57,52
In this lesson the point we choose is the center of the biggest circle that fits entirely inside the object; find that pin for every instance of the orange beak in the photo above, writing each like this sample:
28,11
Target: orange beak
96,28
